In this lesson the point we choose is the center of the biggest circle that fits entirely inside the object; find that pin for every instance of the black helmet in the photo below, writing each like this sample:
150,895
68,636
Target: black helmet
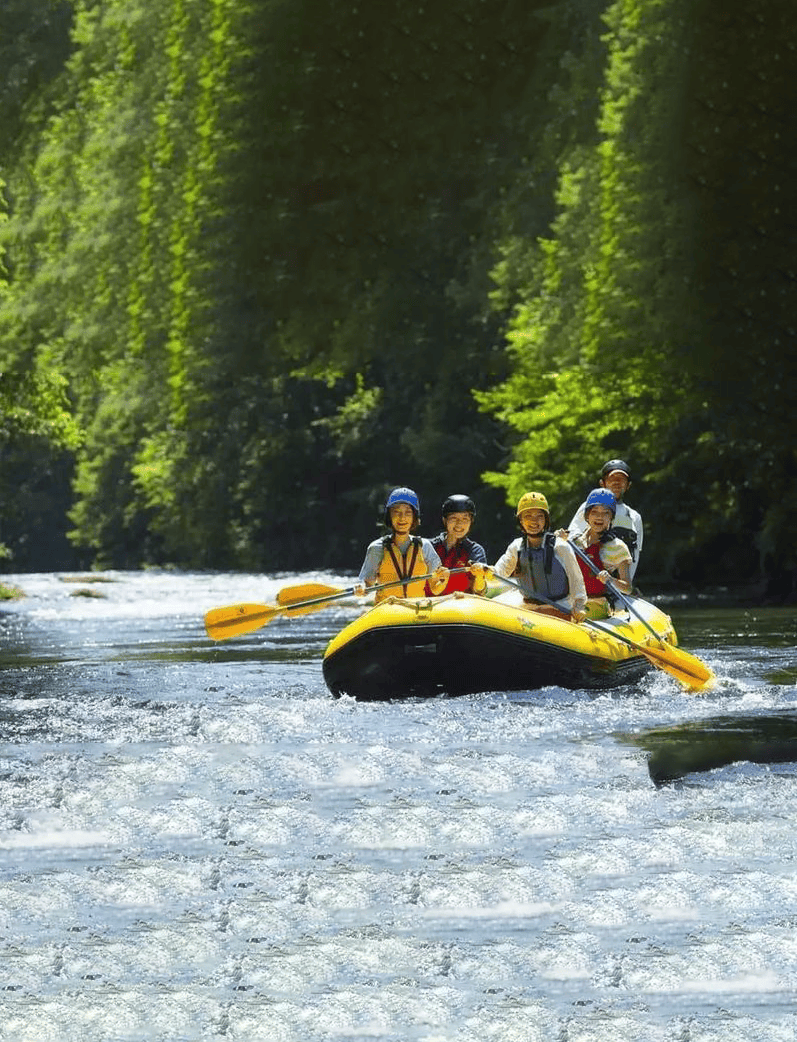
615,464
458,505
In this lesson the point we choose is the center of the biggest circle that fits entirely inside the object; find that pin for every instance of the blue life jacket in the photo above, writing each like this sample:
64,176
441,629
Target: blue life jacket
540,570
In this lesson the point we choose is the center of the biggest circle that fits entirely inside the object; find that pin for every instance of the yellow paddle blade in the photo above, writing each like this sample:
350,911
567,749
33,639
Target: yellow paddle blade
681,665
291,594
237,619
223,623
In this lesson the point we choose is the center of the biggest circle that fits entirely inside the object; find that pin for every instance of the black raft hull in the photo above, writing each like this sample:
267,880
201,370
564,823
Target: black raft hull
459,645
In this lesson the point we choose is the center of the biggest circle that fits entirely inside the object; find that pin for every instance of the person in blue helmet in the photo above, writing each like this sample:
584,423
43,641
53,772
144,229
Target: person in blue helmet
400,555
609,554
615,476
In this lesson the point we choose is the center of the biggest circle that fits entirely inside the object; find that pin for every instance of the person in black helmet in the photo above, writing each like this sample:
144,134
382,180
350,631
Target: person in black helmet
616,476
457,550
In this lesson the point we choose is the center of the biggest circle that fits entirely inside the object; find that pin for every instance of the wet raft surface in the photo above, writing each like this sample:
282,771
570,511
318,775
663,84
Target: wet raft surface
464,645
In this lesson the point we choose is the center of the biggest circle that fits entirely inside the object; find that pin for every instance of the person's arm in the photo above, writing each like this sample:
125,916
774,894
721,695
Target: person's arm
440,574
638,528
623,578
507,563
578,524
478,554
616,557
632,520
479,570
368,572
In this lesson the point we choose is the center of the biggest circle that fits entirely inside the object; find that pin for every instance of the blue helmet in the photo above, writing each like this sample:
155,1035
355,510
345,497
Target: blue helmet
600,497
402,495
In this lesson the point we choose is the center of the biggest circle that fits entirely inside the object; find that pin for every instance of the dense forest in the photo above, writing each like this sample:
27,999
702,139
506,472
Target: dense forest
262,260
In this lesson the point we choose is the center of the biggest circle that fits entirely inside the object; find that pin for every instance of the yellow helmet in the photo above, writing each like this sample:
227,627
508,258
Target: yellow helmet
533,501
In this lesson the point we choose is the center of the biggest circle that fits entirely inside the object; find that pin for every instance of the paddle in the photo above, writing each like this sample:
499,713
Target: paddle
681,661
679,664
237,619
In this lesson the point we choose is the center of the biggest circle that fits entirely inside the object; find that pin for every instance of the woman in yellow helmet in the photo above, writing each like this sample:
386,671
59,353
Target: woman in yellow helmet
543,564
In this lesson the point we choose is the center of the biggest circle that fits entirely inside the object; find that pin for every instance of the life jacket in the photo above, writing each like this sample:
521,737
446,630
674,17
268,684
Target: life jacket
541,571
397,565
628,536
457,557
595,587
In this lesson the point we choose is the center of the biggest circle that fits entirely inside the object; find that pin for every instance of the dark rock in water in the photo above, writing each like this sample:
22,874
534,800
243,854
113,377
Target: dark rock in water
703,745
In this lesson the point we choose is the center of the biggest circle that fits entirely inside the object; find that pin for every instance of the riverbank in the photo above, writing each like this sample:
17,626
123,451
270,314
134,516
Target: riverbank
741,595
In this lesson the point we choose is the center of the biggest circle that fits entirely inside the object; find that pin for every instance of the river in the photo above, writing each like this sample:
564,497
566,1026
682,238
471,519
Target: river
197,841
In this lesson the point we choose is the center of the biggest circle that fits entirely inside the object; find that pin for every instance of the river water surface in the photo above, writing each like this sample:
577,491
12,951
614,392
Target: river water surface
197,841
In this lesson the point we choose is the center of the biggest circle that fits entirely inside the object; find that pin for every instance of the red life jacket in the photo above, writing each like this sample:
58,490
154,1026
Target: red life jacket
595,587
457,557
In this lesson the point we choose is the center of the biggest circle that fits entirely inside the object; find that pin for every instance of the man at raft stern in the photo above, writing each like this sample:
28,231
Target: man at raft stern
615,475
400,555
543,563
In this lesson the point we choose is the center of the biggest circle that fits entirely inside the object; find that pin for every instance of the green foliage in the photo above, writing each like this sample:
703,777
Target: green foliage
258,258
648,321
35,490
593,344
34,44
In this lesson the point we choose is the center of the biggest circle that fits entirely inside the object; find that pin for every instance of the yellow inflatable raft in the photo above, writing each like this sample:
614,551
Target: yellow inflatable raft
462,644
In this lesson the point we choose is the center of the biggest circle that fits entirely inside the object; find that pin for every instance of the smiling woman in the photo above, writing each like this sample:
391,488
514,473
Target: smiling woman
456,550
401,556
545,565
603,555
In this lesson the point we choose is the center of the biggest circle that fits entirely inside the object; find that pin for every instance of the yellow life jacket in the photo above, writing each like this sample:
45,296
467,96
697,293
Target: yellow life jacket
397,565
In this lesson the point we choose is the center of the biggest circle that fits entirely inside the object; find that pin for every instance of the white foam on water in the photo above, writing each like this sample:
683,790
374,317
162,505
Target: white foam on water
212,846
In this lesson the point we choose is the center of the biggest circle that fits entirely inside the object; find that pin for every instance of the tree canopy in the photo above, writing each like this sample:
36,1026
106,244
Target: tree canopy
262,260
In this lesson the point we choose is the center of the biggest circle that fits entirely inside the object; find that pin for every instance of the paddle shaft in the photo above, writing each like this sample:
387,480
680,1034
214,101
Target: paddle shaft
222,623
370,589
614,589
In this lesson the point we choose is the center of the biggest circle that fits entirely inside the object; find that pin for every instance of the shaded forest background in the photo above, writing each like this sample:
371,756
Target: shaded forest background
262,260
